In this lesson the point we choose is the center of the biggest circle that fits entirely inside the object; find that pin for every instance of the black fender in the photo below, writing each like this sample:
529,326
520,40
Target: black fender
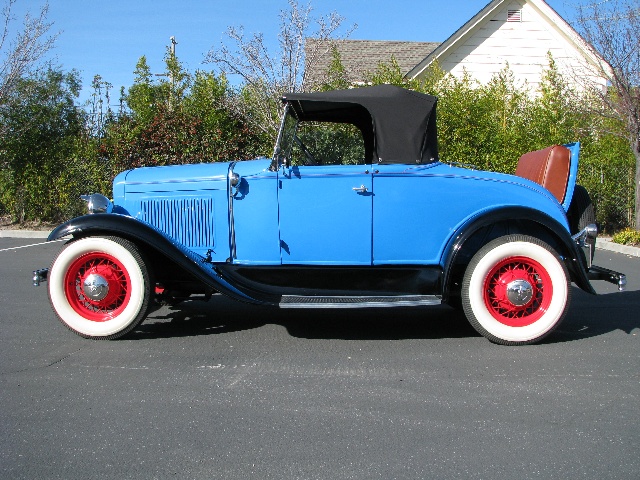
572,255
147,236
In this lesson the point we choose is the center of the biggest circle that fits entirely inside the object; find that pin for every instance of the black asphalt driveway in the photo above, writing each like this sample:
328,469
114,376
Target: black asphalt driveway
222,390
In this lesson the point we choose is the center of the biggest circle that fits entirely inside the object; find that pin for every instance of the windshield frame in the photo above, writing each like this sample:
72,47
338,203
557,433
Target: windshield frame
286,133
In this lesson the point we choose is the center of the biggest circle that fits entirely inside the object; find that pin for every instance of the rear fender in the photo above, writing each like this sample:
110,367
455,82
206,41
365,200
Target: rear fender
508,217
148,237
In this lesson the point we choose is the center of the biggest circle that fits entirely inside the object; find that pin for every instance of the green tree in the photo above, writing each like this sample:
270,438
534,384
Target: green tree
390,73
558,113
336,75
143,96
177,117
42,127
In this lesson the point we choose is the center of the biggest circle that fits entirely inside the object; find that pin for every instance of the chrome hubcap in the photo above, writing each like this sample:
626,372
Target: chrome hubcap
519,292
95,287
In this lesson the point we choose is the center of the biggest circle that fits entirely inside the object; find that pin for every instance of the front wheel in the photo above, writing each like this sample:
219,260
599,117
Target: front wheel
100,287
516,290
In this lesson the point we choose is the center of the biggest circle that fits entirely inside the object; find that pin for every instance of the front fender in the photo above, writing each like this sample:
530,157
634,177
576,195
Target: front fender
148,237
574,258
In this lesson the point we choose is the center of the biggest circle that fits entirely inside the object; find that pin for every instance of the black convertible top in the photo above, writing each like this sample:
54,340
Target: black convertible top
398,125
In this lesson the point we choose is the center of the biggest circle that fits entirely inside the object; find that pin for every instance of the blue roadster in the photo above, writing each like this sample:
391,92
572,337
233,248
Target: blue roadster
354,210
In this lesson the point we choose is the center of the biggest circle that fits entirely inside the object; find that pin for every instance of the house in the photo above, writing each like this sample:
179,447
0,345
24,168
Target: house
518,33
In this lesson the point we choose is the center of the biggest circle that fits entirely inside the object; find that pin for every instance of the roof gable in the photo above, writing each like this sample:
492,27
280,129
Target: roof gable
509,7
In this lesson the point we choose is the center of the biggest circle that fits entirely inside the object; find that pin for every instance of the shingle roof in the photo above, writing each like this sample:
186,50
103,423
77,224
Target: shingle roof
361,56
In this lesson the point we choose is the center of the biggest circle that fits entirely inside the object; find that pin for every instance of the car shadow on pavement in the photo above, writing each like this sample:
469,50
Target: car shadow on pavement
379,323
594,315
221,315
197,318
588,316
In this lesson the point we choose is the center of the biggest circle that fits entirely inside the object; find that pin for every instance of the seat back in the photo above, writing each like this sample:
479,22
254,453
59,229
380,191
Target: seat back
548,167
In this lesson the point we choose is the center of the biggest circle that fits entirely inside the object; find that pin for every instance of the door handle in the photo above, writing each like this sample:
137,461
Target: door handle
360,189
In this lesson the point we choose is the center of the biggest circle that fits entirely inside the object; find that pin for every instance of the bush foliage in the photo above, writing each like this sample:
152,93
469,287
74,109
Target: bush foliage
53,151
627,236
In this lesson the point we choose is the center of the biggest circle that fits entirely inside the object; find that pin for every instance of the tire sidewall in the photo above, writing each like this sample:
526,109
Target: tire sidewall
474,284
127,318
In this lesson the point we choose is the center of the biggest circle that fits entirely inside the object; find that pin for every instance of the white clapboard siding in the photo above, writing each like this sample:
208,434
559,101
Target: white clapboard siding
486,47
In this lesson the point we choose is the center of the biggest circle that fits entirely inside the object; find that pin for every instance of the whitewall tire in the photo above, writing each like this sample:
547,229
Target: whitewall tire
516,290
100,287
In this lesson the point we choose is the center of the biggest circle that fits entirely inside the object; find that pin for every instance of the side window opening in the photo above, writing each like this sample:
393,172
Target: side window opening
328,144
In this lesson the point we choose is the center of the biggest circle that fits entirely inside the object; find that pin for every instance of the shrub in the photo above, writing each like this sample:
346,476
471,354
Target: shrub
627,236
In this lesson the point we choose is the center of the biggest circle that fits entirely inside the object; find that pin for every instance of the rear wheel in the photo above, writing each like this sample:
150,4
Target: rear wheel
515,290
100,287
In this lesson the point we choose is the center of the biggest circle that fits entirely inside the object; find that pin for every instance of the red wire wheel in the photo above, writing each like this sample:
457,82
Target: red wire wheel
516,290
100,287
502,283
112,291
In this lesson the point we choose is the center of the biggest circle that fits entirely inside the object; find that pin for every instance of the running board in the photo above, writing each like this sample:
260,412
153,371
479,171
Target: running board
295,301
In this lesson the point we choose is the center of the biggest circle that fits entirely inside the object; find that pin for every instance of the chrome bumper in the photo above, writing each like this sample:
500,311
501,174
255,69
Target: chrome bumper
586,241
40,276
600,273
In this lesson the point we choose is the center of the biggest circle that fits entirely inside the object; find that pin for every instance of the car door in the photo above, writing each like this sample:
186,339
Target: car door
406,216
325,214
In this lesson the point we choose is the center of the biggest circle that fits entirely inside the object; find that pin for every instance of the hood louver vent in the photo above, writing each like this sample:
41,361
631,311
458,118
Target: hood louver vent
188,220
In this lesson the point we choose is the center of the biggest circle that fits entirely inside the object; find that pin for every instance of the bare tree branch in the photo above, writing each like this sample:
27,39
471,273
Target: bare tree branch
613,30
266,76
21,52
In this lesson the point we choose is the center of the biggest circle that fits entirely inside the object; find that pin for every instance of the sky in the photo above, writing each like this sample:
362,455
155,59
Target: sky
107,37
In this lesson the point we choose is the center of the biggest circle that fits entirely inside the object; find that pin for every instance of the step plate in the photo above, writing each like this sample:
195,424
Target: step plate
295,301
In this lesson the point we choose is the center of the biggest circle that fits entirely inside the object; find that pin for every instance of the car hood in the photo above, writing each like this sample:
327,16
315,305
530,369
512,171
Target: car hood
182,177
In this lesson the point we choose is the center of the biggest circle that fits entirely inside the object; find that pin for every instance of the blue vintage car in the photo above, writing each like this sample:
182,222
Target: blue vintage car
354,210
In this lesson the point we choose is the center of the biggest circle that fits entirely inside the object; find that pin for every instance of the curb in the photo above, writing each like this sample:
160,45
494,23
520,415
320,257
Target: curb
606,244
601,244
24,233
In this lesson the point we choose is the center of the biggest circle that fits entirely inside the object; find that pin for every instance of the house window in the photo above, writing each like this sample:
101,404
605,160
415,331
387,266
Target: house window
514,16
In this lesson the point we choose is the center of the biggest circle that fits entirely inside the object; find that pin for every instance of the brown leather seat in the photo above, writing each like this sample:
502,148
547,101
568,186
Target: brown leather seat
548,167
